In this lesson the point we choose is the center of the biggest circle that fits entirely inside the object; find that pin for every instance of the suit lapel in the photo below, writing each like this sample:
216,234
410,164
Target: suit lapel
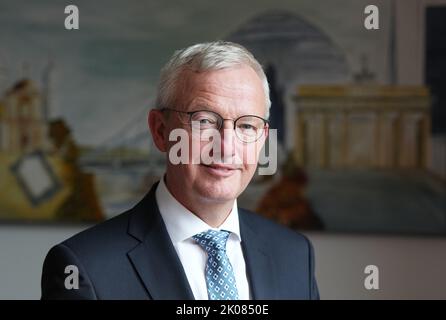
259,265
155,259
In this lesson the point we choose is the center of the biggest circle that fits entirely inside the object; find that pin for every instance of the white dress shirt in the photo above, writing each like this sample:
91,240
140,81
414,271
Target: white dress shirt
182,224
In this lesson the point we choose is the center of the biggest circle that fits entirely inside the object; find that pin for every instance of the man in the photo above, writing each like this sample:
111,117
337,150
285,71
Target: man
187,238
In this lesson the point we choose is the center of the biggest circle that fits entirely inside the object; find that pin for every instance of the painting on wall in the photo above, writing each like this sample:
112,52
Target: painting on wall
353,146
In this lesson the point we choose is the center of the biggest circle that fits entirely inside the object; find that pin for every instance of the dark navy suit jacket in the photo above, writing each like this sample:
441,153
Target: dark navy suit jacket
131,256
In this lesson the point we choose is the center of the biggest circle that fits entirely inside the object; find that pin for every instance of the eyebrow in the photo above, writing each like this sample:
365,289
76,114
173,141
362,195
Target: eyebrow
205,107
201,107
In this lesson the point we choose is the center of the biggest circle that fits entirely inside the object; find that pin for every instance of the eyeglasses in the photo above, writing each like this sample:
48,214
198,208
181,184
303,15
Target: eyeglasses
248,128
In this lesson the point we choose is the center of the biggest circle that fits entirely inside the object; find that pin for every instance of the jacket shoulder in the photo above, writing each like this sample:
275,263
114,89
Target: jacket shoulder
109,236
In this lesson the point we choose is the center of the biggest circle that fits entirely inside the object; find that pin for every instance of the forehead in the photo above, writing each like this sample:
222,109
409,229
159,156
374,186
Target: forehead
232,91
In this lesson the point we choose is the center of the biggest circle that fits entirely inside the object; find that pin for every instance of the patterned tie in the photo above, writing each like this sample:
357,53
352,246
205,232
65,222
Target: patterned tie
220,279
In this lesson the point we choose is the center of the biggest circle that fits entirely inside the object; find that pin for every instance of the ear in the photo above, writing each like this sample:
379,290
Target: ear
157,128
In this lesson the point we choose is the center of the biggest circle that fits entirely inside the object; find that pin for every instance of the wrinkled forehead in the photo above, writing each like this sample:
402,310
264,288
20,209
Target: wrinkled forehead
232,91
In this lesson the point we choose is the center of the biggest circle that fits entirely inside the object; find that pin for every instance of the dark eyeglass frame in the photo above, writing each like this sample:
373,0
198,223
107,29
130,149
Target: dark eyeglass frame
191,113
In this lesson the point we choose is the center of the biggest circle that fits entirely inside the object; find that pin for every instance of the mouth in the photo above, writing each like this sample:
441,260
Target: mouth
220,170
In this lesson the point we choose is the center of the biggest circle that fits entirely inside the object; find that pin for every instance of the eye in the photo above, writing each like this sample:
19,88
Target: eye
206,121
246,126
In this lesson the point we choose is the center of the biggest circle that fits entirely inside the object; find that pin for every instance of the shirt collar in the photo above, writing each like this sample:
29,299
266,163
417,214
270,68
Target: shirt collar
181,224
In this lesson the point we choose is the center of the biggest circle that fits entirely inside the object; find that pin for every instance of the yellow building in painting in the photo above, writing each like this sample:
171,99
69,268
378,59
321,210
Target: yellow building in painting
40,178
22,125
365,126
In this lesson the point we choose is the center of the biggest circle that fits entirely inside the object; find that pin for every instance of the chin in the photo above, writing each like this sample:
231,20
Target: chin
220,191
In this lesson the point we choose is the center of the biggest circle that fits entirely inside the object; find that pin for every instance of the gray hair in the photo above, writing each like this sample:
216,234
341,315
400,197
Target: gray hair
206,57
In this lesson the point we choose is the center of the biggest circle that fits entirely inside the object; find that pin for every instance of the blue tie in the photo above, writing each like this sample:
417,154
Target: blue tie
220,279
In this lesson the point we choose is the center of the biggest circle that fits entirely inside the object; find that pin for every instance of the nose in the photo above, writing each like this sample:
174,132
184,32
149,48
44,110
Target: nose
227,140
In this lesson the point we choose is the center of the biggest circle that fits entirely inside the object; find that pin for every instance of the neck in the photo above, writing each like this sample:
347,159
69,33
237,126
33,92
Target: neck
212,213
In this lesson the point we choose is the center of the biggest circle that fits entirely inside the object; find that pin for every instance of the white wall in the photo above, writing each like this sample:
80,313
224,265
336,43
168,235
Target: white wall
22,251
409,267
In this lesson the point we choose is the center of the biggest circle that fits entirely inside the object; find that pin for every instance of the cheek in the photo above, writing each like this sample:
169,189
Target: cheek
249,153
187,175
248,171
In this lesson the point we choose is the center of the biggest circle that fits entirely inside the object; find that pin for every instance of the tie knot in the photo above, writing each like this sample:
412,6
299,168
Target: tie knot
212,241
